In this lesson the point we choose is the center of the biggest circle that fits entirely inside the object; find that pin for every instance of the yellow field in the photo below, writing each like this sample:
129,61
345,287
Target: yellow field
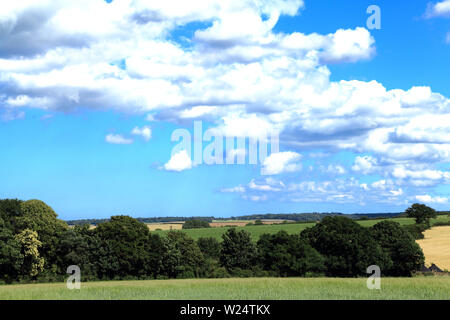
436,246
164,226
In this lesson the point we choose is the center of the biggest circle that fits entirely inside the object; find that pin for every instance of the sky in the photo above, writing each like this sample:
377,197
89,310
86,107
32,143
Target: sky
105,105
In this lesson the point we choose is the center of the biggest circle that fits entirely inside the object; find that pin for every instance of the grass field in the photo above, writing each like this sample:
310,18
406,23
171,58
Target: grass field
436,246
257,231
239,289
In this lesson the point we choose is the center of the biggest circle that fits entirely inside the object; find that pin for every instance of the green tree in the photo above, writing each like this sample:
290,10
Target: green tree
125,238
348,248
9,211
209,246
156,251
289,255
11,258
37,216
421,213
238,250
195,224
183,256
33,263
405,253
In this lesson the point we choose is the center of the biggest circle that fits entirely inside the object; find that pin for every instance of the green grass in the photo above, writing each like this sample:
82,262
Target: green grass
238,289
257,231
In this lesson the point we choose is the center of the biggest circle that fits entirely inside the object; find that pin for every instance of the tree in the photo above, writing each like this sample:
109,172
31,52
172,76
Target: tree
405,253
421,213
195,224
37,216
348,248
289,255
33,263
126,238
210,247
156,251
238,250
183,256
11,258
79,246
9,211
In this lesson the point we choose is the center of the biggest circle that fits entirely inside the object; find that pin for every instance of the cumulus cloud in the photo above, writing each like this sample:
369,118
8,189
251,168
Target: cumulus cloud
439,9
281,162
235,71
429,199
365,164
179,161
117,139
145,132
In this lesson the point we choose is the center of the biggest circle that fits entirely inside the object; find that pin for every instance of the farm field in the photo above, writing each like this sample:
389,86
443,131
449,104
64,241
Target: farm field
257,231
164,226
239,289
436,246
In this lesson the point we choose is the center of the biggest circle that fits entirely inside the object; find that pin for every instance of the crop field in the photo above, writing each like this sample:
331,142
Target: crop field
257,231
164,226
436,246
239,289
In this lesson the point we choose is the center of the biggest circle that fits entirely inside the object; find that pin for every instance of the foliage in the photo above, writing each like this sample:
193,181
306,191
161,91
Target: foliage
37,216
125,239
416,230
405,253
33,263
193,224
421,213
210,247
348,248
238,250
289,255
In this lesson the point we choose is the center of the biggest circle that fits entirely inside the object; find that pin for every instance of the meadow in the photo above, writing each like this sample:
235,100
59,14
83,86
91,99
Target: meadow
291,228
239,289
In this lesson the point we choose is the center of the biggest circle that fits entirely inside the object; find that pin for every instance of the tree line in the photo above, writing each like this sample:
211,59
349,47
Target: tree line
36,246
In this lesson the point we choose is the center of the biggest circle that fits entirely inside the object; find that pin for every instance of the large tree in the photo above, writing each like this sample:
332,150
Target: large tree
183,257
348,247
124,238
37,216
11,257
405,253
421,213
288,255
238,250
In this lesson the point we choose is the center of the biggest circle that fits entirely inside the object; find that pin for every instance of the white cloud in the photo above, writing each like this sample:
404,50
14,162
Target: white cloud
235,71
179,161
365,164
281,162
429,199
145,132
238,189
117,139
439,9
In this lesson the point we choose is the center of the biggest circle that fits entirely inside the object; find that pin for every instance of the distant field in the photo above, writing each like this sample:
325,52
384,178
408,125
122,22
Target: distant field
164,226
239,289
436,246
257,231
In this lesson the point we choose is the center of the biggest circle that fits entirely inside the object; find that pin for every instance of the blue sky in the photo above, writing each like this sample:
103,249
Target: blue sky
91,92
